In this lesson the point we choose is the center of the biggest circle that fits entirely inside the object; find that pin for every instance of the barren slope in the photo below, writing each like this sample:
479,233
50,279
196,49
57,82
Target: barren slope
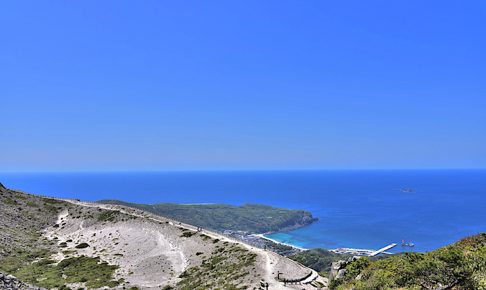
130,248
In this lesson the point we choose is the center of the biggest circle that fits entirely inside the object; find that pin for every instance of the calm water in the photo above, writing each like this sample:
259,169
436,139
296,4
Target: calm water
362,209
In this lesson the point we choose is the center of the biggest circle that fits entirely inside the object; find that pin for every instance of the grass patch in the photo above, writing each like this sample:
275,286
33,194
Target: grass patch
223,270
53,201
81,269
32,204
10,201
108,216
22,258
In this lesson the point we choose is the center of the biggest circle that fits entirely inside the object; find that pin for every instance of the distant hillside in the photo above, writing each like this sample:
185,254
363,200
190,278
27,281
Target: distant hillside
458,266
252,218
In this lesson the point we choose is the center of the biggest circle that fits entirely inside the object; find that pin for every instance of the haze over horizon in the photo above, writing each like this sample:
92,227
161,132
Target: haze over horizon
254,85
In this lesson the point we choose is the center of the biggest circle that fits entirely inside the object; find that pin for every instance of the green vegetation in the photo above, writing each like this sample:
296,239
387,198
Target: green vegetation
10,201
318,259
53,201
108,215
187,234
25,254
82,269
82,246
205,237
223,270
251,218
21,224
458,266
32,204
22,258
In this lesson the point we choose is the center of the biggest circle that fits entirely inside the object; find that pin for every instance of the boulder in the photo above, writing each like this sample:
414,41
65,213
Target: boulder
335,267
341,273
9,282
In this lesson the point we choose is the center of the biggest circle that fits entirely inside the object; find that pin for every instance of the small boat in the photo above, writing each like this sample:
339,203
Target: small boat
408,190
409,244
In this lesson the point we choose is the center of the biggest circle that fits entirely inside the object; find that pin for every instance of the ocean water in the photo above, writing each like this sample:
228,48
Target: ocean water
358,209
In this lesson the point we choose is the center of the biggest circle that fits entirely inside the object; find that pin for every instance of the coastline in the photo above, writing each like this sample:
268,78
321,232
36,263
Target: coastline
352,251
192,188
262,236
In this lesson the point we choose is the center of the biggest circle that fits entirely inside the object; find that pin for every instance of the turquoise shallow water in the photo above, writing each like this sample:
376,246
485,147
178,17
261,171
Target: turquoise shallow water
358,209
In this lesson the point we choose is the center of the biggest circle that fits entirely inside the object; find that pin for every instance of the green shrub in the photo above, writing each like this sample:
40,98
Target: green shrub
318,259
81,269
82,246
187,234
458,266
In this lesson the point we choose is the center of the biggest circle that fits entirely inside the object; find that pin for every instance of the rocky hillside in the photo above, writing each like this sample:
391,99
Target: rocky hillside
68,244
458,266
27,252
11,282
251,218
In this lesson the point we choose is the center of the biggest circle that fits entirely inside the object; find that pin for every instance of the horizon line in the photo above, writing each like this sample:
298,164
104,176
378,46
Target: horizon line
240,170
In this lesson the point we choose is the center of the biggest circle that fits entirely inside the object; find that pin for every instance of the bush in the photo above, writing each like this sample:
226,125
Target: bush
187,234
82,246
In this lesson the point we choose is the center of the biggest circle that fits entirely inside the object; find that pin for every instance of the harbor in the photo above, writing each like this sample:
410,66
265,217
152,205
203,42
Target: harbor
364,252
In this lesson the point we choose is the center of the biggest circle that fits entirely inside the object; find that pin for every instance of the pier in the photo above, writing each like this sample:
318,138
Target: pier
382,250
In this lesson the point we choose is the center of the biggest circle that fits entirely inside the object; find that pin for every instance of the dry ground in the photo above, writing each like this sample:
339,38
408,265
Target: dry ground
153,251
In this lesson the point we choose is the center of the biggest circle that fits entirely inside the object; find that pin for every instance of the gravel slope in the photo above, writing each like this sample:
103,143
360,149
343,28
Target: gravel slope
150,251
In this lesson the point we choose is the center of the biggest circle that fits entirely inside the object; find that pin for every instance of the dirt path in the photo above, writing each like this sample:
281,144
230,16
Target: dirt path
271,263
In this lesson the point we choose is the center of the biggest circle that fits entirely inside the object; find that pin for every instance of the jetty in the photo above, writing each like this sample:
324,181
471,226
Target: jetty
382,250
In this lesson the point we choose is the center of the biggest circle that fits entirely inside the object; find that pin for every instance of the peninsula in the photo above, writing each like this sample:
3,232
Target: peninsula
249,218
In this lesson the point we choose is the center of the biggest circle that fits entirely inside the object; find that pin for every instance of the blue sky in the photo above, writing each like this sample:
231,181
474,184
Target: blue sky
149,85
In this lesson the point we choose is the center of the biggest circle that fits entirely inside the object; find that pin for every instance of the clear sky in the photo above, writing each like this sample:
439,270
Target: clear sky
148,85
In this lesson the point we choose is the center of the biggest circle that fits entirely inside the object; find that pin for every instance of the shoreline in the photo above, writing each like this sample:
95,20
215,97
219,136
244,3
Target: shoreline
353,251
262,236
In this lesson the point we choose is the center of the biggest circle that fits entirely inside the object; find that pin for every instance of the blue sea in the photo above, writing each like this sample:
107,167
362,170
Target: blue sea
356,209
